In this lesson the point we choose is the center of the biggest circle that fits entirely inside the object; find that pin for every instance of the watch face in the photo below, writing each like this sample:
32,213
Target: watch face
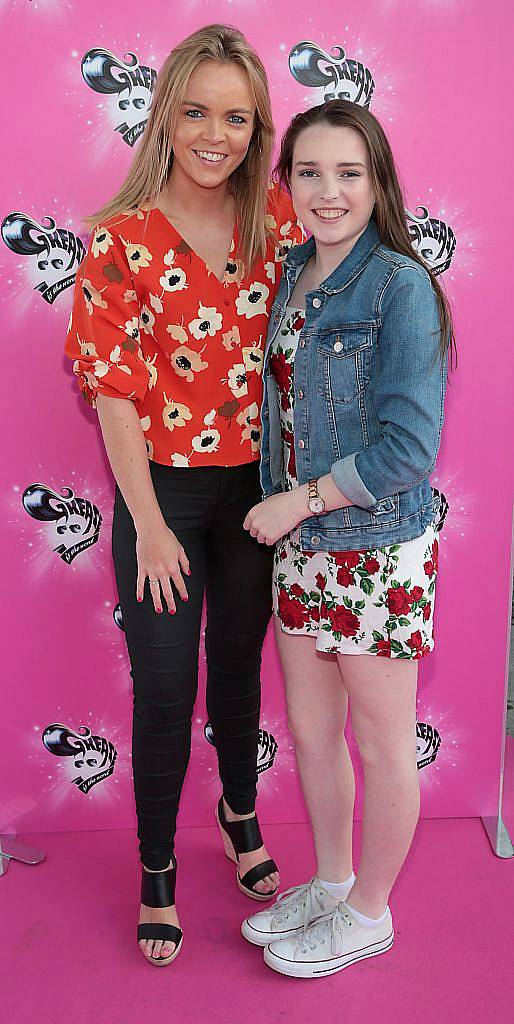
316,506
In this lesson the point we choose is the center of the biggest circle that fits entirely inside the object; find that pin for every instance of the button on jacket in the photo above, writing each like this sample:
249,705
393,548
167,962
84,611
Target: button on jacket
368,364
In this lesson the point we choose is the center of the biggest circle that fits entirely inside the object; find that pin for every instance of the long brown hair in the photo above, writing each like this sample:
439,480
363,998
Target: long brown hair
389,209
151,167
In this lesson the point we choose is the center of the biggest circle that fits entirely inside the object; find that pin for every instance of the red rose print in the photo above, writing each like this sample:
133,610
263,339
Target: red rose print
416,593
320,581
384,649
435,554
298,322
344,576
289,440
371,565
283,554
429,568
282,374
427,608
398,601
315,614
343,620
297,590
348,558
292,613
415,642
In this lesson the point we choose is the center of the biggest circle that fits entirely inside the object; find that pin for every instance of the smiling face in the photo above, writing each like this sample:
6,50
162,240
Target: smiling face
215,124
331,185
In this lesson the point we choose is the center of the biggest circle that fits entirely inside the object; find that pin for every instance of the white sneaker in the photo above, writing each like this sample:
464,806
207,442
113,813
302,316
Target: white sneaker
293,910
328,945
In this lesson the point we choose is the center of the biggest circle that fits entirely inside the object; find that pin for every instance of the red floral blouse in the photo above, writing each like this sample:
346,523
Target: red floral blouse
151,323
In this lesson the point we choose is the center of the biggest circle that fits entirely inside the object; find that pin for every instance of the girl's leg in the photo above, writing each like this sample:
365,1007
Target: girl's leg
163,652
317,703
238,612
382,695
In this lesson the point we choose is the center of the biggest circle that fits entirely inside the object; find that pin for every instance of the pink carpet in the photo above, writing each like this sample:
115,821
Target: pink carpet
69,951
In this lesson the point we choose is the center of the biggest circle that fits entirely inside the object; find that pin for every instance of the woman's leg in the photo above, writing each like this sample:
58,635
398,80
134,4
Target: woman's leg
238,612
382,695
163,651
317,703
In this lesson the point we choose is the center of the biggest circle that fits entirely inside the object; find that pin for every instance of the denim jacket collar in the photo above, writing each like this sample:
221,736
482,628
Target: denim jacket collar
347,271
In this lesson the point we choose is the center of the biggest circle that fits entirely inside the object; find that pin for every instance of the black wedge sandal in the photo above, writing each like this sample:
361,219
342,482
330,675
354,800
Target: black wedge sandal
243,837
158,890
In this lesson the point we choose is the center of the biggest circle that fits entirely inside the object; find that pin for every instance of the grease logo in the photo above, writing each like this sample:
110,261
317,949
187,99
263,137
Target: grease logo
442,509
76,520
341,77
266,750
93,756
434,240
54,253
428,742
129,84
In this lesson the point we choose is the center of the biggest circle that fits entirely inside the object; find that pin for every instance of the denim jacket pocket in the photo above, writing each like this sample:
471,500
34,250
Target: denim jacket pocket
344,362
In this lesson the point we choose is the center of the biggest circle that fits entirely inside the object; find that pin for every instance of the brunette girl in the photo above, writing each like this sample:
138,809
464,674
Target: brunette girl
167,332
355,375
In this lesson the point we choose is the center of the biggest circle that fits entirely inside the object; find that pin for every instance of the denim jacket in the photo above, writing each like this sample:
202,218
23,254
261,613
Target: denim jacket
369,388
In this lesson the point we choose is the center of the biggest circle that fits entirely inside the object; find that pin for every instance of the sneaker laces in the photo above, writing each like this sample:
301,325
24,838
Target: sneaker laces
331,926
308,897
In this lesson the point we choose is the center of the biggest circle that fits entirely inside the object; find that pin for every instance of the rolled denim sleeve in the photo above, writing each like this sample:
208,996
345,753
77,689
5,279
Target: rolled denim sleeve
408,396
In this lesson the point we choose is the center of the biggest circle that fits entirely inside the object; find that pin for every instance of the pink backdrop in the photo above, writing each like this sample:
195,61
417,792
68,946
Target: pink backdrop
439,71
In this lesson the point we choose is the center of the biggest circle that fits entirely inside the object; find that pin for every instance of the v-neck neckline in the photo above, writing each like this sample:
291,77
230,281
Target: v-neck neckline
233,243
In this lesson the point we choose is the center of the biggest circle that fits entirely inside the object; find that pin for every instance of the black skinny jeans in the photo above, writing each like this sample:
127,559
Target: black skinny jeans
205,507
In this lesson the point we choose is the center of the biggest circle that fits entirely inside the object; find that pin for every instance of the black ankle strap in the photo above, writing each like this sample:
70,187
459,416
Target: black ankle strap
158,887
245,835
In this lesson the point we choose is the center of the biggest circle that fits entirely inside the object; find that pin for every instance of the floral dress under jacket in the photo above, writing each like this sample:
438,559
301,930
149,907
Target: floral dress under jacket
379,601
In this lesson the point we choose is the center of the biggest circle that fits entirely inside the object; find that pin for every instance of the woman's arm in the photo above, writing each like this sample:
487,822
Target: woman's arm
159,554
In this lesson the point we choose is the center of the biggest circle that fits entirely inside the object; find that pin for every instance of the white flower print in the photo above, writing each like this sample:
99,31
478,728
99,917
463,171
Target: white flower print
169,258
177,333
115,354
155,303
129,295
146,423
173,280
132,328
209,322
179,460
101,241
92,297
253,358
207,441
247,415
137,255
237,380
147,320
152,371
270,271
175,414
252,301
231,339
100,368
186,363
210,417
87,348
270,222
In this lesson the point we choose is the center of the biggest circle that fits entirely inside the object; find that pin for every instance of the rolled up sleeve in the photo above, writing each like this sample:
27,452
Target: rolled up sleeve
408,396
103,337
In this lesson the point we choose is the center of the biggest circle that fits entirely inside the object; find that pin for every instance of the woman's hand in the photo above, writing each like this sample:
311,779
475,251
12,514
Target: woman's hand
161,558
277,515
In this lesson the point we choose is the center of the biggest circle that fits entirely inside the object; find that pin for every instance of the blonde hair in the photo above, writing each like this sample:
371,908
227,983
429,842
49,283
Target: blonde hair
151,167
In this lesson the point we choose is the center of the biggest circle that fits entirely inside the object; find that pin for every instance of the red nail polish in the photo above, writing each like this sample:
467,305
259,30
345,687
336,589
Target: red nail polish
140,599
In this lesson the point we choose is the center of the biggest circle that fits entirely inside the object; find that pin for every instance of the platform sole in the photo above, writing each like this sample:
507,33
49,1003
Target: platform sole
228,846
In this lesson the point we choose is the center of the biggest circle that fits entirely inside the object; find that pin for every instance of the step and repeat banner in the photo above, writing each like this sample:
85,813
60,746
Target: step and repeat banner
78,86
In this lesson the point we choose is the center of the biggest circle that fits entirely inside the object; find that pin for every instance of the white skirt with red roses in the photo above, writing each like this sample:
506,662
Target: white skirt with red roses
377,602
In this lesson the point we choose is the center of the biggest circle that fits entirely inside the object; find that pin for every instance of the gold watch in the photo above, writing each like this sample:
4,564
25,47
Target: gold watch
315,501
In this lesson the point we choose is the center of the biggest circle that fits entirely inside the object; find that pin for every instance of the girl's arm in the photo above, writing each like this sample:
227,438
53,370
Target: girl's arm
159,554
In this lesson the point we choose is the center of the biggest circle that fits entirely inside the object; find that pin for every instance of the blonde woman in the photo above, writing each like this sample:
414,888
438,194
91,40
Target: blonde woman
169,321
